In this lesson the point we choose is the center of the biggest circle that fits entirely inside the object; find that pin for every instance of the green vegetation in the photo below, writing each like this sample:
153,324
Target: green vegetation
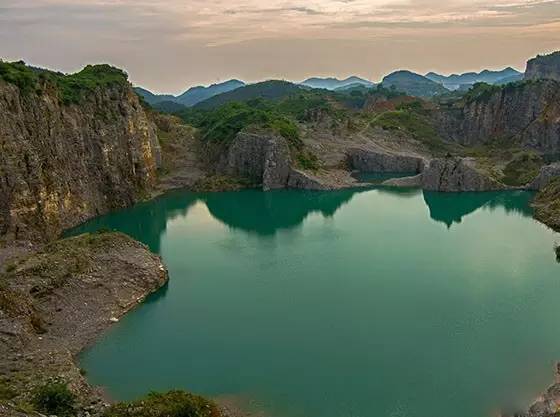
54,398
6,391
481,92
170,404
71,88
411,121
522,169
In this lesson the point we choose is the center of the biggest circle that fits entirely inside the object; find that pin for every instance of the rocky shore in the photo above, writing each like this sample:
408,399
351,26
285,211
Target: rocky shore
56,301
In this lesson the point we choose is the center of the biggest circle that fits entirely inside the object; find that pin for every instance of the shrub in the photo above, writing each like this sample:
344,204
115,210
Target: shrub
170,404
54,398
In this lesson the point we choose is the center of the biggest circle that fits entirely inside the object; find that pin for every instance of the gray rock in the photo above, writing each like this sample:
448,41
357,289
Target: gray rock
303,180
457,174
546,175
368,160
415,181
261,158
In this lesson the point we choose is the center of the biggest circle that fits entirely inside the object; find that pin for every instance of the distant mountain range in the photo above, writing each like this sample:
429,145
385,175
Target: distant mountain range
335,83
460,81
413,84
271,90
190,97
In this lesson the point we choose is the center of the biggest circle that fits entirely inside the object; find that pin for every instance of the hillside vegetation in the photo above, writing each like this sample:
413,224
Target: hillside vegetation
71,88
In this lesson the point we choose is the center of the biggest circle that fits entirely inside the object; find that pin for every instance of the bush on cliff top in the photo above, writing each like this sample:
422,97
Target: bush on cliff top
72,88
170,404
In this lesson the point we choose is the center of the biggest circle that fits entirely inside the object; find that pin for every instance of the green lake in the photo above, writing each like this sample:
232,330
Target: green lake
354,303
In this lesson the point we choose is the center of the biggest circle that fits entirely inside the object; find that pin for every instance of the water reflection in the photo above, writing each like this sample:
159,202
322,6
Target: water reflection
265,213
450,208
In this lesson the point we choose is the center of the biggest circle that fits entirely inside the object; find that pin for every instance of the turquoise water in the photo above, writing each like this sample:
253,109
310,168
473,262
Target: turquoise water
329,304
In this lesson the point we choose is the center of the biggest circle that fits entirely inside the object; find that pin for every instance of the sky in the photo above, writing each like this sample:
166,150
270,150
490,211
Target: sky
169,45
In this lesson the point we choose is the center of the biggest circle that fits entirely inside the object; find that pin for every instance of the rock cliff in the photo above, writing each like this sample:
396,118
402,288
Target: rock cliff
544,67
457,174
260,158
525,114
547,174
63,162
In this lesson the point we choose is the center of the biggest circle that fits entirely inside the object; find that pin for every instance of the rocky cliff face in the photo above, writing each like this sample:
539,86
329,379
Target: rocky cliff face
526,114
261,158
457,174
61,164
544,67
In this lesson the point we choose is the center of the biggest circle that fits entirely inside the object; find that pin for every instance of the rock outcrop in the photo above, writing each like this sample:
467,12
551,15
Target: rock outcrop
525,114
57,301
61,164
370,160
457,174
261,158
547,174
544,67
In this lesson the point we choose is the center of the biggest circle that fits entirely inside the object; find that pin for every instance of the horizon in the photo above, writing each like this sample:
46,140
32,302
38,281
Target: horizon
168,45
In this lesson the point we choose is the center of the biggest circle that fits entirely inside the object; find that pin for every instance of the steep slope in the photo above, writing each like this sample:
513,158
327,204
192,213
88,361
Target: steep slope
271,90
525,114
71,147
413,84
544,67
335,83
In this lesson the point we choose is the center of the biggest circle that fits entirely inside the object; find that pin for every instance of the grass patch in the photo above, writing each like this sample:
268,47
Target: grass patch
409,121
170,404
54,398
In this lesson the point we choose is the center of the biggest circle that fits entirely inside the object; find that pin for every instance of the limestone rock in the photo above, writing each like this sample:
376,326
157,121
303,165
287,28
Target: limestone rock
457,174
544,67
63,164
303,180
415,181
369,160
261,158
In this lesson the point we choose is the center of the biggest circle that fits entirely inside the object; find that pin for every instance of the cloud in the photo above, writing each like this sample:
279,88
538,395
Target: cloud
195,36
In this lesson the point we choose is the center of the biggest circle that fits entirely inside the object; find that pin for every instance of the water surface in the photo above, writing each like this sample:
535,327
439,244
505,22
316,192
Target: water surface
331,304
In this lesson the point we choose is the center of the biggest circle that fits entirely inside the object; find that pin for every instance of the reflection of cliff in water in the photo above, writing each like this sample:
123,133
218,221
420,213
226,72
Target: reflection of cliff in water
264,213
146,221
450,208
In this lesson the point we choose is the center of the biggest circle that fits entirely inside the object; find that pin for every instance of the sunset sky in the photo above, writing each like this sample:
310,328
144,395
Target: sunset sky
168,45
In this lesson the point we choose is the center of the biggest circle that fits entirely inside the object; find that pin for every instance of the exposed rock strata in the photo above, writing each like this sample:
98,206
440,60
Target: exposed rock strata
63,164
369,160
544,67
457,174
58,300
261,158
526,114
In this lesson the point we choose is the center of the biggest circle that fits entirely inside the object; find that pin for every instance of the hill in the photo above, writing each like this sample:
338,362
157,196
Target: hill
413,84
190,97
271,90
335,83
456,81
195,95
